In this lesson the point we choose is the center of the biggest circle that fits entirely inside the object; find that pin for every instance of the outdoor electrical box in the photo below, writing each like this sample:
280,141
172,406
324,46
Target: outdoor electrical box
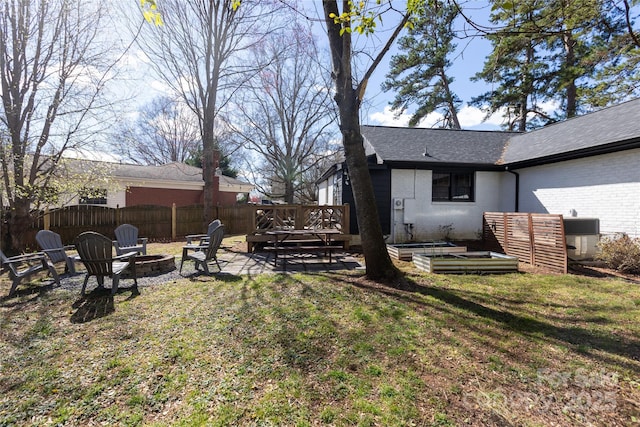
409,211
398,203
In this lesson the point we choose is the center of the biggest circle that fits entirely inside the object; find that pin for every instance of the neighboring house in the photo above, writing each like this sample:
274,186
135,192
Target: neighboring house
162,185
435,182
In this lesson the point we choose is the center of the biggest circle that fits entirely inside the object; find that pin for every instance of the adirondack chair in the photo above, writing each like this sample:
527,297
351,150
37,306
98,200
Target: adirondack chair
127,240
51,245
96,253
201,255
21,266
204,238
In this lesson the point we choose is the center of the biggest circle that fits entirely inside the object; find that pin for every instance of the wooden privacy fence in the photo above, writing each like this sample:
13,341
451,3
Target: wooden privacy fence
154,222
537,239
161,223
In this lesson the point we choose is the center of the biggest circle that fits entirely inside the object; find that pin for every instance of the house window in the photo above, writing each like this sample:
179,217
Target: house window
93,197
452,187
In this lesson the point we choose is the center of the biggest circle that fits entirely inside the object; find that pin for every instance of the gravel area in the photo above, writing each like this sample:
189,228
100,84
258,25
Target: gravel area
74,282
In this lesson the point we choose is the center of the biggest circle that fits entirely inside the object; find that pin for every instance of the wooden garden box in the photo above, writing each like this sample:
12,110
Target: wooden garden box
405,251
467,262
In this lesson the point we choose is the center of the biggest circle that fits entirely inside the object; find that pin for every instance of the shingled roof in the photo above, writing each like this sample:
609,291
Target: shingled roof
443,146
607,130
171,171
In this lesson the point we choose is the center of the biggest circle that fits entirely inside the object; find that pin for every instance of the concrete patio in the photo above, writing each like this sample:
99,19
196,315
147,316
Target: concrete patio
239,263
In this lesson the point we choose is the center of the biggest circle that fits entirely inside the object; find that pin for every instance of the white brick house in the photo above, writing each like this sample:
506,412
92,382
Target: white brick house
430,182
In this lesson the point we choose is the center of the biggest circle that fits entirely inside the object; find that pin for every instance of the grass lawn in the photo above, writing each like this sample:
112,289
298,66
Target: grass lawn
326,349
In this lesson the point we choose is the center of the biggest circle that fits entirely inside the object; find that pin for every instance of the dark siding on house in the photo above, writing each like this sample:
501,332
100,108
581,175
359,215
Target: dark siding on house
381,179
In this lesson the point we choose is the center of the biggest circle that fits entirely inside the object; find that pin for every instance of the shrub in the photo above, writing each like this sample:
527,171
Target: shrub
621,253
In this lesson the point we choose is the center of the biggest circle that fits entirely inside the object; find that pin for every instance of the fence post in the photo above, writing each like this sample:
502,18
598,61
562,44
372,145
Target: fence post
252,220
46,219
299,221
346,220
532,240
174,222
505,222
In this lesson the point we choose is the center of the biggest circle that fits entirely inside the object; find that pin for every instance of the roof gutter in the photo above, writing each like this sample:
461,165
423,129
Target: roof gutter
405,164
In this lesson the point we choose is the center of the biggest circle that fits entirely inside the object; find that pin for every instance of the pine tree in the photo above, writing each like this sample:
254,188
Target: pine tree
546,52
515,67
419,74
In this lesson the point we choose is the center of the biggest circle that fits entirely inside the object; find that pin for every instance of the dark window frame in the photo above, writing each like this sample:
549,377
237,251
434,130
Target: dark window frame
451,186
92,197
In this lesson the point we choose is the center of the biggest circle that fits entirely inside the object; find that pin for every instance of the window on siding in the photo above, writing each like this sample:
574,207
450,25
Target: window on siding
89,196
452,187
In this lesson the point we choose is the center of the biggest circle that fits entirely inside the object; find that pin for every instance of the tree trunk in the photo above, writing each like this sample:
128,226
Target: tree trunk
570,62
289,191
208,170
451,105
210,162
378,263
19,223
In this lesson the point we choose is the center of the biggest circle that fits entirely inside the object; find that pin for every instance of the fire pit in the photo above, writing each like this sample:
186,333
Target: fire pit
151,265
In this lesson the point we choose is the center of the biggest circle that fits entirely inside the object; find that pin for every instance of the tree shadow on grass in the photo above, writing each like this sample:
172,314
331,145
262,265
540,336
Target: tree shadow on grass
201,276
28,288
33,291
579,339
97,303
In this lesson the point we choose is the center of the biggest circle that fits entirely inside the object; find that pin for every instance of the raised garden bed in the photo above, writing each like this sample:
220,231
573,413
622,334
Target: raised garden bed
467,262
405,251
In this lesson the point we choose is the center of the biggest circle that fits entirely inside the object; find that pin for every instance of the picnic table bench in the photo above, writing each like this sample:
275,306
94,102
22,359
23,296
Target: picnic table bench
302,241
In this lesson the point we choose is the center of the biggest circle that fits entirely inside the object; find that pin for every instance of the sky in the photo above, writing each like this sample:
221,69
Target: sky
467,60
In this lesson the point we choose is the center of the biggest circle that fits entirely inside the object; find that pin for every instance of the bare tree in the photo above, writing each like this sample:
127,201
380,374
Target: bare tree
308,192
202,54
165,131
53,73
349,95
286,114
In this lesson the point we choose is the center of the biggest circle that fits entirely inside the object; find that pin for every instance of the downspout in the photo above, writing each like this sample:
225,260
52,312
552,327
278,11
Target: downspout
517,204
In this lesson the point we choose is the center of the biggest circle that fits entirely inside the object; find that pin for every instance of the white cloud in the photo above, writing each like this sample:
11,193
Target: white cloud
469,117
550,107
135,59
431,120
92,155
388,118
160,86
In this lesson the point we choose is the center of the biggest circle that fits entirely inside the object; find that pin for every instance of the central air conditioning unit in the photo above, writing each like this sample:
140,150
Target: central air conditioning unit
582,236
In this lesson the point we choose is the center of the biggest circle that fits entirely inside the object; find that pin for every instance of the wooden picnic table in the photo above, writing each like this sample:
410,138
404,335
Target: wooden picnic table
298,241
